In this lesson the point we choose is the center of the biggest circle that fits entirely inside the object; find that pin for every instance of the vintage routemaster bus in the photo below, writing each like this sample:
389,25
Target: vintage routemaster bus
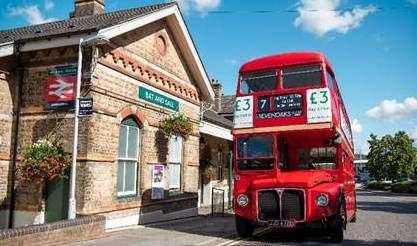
293,149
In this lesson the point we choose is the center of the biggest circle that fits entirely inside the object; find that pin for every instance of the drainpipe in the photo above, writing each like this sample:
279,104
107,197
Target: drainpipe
96,40
18,91
72,202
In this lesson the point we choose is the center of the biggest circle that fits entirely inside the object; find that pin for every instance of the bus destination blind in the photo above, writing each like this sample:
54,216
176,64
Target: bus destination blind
280,106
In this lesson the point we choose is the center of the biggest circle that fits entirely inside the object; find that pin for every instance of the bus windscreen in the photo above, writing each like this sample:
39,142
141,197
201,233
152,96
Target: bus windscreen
255,153
302,76
258,81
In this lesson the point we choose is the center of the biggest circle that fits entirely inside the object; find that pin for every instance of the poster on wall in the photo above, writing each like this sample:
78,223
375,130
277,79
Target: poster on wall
319,106
157,182
59,91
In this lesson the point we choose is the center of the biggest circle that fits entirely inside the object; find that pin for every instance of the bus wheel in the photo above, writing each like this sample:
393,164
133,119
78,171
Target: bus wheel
338,225
336,234
244,227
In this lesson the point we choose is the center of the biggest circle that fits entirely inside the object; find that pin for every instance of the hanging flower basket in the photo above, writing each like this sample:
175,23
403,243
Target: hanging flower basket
176,125
42,162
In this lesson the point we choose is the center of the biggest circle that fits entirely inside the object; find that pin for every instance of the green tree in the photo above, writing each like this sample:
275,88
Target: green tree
376,158
391,157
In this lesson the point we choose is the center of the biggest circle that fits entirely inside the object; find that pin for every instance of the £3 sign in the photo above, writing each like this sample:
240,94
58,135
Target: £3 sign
318,106
243,112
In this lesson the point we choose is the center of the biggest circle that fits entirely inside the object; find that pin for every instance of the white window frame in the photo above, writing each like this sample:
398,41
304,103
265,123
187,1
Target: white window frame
177,161
124,159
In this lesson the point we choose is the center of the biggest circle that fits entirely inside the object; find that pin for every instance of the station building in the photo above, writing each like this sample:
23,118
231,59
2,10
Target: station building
139,66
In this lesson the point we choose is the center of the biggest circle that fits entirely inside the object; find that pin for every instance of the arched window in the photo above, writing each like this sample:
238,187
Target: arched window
128,157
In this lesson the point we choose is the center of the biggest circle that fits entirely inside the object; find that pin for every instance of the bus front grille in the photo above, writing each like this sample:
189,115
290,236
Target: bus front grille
292,205
268,205
284,204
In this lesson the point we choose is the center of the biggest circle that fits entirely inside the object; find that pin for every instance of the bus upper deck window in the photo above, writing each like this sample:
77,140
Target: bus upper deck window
302,76
258,81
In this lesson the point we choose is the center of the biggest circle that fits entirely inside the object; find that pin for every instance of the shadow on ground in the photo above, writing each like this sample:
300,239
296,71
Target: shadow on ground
311,238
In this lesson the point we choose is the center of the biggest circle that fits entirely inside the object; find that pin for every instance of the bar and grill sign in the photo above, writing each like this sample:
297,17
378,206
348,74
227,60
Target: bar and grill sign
59,91
158,99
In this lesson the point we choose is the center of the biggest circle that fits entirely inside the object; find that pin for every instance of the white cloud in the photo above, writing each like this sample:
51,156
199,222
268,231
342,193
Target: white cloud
413,2
199,5
413,133
321,16
31,13
393,110
49,5
356,126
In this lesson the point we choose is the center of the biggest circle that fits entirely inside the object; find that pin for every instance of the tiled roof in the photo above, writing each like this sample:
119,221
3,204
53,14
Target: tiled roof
79,24
228,103
214,118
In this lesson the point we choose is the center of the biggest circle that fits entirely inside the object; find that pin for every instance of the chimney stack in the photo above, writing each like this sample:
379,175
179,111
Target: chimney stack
218,93
87,7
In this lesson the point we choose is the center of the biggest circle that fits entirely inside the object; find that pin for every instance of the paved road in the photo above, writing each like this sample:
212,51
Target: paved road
383,219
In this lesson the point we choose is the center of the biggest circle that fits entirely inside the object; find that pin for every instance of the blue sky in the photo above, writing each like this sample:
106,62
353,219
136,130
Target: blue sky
371,44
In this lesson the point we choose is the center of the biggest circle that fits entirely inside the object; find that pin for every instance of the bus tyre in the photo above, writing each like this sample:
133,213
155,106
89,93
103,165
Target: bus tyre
336,233
244,227
338,225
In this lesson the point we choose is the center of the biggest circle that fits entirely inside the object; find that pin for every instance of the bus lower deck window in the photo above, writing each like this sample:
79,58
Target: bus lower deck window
302,76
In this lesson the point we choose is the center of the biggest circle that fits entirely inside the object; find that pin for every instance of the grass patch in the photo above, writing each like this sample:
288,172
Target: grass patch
405,187
375,185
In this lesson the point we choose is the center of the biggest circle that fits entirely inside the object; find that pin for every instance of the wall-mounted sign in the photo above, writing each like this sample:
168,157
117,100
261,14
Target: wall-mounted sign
243,112
319,106
86,106
158,99
280,106
157,182
59,92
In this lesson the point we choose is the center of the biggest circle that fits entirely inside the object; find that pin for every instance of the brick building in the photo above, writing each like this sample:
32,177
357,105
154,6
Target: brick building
138,66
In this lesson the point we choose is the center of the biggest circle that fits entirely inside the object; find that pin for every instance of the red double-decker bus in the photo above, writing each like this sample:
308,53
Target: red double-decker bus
293,149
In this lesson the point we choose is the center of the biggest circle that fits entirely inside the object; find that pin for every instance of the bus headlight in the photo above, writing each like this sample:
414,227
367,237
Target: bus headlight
322,200
242,200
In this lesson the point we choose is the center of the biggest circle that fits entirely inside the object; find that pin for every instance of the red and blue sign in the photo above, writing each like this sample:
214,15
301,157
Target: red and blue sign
60,87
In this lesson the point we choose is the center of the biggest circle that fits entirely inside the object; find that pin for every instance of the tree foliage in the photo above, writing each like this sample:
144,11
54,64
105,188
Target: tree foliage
391,157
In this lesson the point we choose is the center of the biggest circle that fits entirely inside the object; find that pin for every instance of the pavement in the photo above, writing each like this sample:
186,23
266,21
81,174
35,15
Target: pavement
383,219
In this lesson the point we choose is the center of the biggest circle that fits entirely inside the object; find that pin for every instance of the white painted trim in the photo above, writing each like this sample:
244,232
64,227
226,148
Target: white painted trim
136,217
26,218
6,49
210,92
216,131
54,42
122,221
117,30
114,31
